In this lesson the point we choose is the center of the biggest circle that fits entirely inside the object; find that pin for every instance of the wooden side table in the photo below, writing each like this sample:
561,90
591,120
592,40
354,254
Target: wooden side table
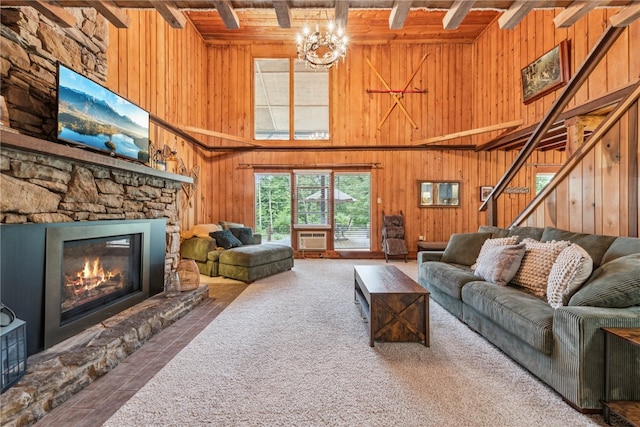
627,409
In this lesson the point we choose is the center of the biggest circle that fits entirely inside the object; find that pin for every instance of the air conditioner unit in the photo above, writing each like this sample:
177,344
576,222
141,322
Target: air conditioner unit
312,241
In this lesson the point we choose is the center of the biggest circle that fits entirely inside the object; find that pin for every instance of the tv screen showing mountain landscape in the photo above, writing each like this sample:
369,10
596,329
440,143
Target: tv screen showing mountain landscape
92,115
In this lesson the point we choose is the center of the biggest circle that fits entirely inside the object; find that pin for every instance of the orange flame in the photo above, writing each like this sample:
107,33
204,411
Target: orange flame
93,273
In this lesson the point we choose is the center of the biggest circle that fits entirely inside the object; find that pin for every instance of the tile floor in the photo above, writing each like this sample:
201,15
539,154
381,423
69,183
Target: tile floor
97,402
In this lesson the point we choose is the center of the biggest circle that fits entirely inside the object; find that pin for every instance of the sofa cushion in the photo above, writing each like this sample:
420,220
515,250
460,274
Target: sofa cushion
536,265
571,269
595,244
448,278
620,247
197,248
615,284
244,234
463,248
500,263
254,255
495,231
534,233
225,239
522,314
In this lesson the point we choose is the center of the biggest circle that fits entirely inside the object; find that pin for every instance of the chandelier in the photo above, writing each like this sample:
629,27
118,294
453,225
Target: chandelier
322,50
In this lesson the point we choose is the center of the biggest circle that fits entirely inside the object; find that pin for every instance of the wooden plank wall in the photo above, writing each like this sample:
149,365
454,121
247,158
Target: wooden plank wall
163,70
355,115
184,81
601,194
578,204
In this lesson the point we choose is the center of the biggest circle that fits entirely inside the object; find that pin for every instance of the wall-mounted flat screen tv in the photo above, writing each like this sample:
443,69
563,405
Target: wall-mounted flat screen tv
93,116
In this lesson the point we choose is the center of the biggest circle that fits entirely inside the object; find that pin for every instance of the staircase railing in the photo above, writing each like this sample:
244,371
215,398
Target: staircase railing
581,75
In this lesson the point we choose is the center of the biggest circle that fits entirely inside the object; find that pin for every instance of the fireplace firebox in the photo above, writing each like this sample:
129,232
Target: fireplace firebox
29,275
92,273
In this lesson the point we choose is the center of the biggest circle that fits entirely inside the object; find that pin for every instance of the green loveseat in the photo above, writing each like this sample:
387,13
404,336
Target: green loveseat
563,346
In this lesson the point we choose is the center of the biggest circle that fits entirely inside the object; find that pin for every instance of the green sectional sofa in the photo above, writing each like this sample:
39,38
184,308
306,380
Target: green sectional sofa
562,345
247,259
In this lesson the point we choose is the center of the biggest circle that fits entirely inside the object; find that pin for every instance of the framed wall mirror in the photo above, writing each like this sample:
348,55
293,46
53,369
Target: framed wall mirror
439,194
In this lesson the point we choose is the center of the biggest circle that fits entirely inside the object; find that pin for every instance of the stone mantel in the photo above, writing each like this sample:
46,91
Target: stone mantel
12,139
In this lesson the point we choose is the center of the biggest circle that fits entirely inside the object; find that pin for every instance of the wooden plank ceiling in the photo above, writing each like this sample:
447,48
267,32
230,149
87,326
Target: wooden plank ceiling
367,21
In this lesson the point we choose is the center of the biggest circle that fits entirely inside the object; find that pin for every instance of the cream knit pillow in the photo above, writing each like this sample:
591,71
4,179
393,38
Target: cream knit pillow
570,270
536,264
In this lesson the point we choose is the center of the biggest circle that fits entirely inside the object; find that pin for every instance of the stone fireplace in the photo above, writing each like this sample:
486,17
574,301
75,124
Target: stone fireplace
52,194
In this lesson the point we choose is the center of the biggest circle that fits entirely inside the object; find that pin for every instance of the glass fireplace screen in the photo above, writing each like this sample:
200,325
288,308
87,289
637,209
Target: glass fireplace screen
98,271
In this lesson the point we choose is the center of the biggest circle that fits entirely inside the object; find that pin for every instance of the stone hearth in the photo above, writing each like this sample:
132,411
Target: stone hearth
56,374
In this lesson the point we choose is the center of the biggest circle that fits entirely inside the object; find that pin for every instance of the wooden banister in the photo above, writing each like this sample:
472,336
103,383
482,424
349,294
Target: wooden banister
598,52
596,136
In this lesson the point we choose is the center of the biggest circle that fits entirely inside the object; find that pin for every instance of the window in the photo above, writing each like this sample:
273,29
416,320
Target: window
542,179
275,104
312,199
273,207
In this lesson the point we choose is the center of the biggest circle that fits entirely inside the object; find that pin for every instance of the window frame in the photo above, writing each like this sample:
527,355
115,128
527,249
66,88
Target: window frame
291,105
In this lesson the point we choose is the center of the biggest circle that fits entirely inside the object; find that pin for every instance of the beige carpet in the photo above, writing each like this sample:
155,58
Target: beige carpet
291,350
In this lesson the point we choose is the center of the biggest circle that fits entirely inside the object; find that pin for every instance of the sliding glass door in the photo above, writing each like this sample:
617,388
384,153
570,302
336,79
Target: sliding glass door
337,202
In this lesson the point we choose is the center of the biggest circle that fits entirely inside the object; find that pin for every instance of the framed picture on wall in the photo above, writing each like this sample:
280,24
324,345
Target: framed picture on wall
546,73
485,191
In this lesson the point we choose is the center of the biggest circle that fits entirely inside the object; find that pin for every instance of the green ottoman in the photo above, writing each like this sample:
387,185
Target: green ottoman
252,262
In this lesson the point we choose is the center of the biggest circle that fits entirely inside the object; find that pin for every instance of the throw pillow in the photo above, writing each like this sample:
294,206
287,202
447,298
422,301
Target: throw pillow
536,265
244,234
463,248
491,243
200,230
615,284
569,271
500,263
225,239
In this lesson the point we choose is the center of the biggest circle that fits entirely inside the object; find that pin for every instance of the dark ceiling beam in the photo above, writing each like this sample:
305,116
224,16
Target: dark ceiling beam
170,13
516,13
599,51
342,13
399,13
626,16
575,11
283,13
456,14
55,12
227,14
112,13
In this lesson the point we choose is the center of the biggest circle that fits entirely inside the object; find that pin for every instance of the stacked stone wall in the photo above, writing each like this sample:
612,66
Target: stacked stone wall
30,48
38,188
44,189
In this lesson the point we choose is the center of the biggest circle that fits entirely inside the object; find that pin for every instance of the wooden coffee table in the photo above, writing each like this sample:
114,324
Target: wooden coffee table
396,307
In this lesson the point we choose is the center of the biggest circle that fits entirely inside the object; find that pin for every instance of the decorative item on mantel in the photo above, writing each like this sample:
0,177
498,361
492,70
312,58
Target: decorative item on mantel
189,275
189,188
4,113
